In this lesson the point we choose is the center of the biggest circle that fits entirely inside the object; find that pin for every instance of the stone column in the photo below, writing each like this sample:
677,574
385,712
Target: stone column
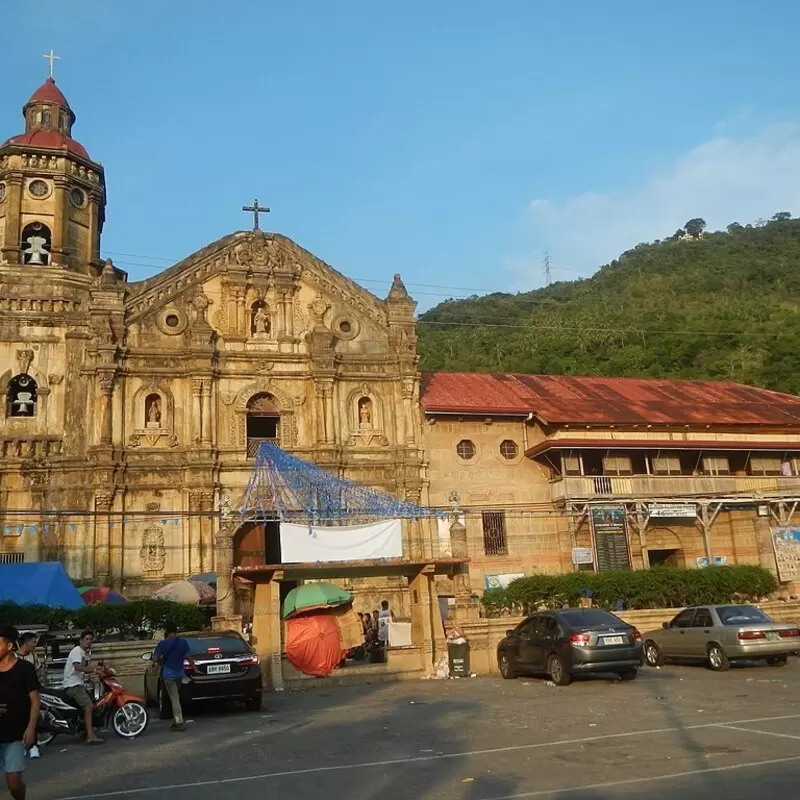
206,397
327,405
242,329
267,631
60,247
223,562
289,311
195,541
409,409
319,386
106,381
101,570
13,229
197,388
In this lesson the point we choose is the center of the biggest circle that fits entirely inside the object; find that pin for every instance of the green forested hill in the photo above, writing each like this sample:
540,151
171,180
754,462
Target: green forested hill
725,306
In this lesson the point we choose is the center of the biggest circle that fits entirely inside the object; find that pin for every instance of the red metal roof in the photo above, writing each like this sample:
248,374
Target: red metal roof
50,140
48,92
565,399
657,444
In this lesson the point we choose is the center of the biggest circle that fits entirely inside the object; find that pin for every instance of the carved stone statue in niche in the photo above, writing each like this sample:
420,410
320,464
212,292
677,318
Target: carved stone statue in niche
259,320
153,552
152,411
365,413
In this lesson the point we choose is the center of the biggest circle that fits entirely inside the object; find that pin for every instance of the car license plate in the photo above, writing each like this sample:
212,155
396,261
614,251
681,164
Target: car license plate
773,636
217,669
613,640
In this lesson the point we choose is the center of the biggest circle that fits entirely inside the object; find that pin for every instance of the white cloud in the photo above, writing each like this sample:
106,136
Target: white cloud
724,180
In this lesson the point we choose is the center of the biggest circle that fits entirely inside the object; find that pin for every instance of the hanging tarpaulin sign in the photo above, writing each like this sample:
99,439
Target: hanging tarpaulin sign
609,526
301,544
501,581
582,555
786,544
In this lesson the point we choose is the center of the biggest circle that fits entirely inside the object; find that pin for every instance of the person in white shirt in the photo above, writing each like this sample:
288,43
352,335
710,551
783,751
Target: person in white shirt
74,670
385,616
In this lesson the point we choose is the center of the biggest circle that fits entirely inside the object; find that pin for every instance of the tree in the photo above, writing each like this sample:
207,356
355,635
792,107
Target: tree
734,227
781,216
695,227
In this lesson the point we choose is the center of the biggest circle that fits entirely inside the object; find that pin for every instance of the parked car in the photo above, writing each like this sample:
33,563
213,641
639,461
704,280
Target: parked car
219,666
569,642
721,634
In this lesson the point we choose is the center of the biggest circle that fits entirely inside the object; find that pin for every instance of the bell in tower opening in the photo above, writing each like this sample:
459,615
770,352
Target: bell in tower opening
36,241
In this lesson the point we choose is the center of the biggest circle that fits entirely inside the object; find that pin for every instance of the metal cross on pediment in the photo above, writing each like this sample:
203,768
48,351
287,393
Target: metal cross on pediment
51,57
256,209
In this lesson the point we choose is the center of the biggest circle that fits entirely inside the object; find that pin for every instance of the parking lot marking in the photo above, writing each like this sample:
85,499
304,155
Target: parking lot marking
418,759
576,790
763,733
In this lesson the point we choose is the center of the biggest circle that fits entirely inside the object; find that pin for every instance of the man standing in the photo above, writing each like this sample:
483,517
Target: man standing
74,670
27,652
19,711
385,616
170,652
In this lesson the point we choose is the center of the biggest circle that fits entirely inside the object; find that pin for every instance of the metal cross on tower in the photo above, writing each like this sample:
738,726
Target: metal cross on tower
256,209
51,57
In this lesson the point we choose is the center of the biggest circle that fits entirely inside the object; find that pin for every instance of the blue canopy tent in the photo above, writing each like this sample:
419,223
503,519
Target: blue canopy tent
45,583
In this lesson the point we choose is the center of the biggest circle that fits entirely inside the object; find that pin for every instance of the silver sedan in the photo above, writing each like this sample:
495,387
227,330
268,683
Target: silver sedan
720,634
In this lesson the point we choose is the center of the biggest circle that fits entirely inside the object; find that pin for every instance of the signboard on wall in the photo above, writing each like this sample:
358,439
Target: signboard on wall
501,581
672,511
786,544
609,526
582,555
719,561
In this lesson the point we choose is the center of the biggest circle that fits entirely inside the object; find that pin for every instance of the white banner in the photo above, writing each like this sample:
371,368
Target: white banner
672,511
309,544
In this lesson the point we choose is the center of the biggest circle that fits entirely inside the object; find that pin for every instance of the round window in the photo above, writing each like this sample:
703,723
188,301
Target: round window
172,320
77,197
508,449
345,326
38,188
466,449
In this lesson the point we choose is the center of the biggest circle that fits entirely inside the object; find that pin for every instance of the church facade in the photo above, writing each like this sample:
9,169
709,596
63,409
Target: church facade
134,410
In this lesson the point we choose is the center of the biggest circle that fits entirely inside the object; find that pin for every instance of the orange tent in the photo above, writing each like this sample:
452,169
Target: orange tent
314,644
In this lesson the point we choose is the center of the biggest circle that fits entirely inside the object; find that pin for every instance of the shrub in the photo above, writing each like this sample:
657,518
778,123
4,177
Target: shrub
125,621
660,587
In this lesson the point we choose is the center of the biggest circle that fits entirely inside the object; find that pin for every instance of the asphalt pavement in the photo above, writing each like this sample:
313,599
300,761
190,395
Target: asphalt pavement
678,731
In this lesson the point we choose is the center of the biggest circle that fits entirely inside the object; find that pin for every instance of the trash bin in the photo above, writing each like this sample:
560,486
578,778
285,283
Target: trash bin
458,654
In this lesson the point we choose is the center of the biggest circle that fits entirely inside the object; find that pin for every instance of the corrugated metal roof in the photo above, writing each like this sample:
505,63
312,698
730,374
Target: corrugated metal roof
659,444
565,399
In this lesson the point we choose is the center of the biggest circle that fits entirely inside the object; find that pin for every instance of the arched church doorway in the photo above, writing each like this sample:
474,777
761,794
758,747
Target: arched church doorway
263,422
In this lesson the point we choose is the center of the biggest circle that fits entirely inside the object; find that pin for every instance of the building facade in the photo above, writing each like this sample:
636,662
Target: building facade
133,411
555,473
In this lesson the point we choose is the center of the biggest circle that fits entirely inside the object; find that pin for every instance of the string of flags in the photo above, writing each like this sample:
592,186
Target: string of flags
19,528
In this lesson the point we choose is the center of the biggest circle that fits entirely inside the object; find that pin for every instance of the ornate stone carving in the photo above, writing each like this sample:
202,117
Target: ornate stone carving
103,502
134,440
407,388
106,380
153,551
54,378
173,441
227,398
24,359
201,304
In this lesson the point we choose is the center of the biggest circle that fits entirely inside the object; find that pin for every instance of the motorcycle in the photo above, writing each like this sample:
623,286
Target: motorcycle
124,711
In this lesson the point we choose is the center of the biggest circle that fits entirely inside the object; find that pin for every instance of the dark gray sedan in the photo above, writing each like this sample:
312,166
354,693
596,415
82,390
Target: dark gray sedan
570,641
720,634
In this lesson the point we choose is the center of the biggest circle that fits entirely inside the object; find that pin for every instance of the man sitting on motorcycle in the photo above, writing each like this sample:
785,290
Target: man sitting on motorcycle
75,669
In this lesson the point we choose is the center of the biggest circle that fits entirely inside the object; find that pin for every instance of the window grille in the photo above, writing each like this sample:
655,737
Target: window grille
494,533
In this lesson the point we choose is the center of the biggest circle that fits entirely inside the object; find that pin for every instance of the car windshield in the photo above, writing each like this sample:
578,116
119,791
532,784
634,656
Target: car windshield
588,618
741,615
204,643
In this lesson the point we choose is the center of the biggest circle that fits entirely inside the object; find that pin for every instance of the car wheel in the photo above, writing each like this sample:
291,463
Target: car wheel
557,671
717,659
507,667
628,674
253,703
777,661
164,704
652,654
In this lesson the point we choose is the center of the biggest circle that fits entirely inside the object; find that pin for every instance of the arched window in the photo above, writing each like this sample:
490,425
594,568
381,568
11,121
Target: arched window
21,397
46,117
263,422
35,244
153,411
259,318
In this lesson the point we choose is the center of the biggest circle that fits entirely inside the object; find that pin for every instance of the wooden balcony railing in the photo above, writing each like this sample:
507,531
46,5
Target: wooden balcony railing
633,486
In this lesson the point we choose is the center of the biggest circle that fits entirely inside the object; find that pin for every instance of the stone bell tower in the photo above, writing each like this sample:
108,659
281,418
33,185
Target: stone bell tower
52,195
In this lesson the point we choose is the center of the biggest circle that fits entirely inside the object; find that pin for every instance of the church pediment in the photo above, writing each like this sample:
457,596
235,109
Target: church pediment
249,257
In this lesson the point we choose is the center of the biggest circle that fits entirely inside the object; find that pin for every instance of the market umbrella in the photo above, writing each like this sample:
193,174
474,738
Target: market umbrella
204,577
314,595
313,643
187,592
101,594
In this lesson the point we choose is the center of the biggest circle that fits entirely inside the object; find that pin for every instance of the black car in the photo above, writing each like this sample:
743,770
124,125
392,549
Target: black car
220,665
570,641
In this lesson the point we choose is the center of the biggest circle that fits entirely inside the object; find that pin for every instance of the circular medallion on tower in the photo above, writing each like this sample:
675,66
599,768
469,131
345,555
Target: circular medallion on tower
39,188
77,197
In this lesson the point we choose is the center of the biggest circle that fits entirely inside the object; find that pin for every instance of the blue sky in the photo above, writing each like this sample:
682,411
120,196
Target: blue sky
453,142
